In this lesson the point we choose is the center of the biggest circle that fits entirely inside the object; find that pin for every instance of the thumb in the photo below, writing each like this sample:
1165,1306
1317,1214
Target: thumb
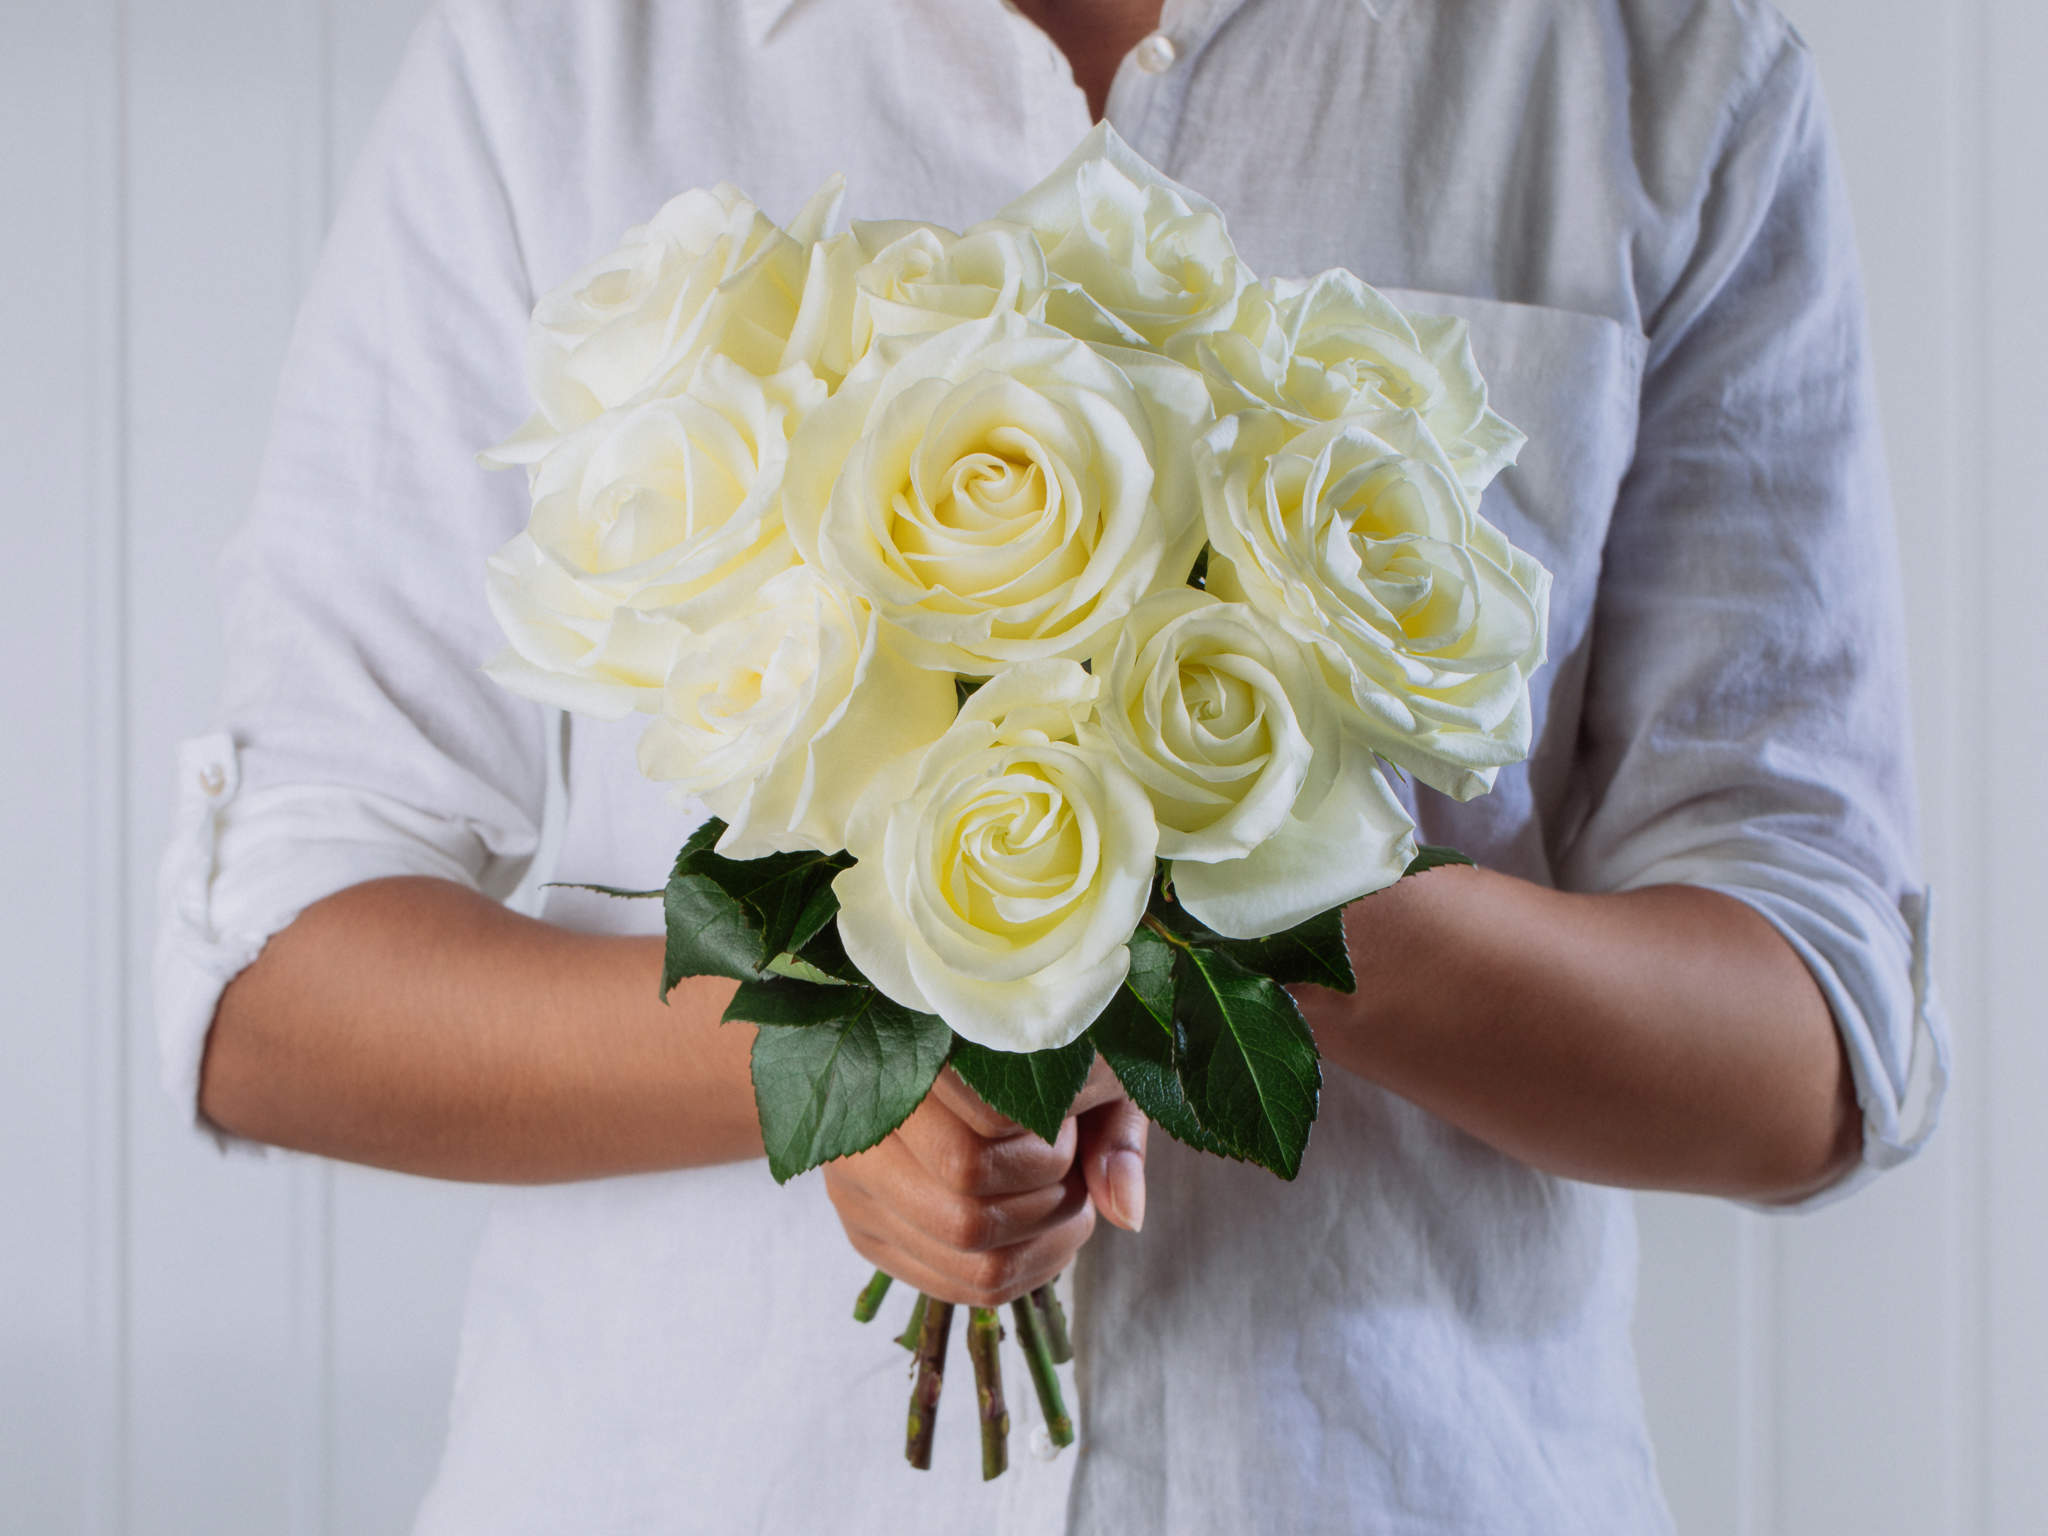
1113,1161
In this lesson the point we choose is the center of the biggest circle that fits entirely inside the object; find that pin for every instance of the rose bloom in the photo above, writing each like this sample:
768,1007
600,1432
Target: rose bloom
904,278
1333,346
1000,876
1268,810
710,271
1000,491
1141,260
1357,538
781,715
651,518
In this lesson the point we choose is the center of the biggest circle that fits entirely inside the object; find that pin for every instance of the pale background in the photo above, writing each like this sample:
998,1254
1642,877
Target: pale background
190,1346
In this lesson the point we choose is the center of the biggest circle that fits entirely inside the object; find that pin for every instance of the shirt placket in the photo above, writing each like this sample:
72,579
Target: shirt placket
1146,95
1149,91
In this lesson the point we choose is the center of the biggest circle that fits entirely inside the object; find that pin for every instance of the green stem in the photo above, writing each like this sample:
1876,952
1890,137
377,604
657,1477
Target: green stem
1044,1375
908,1337
984,1341
1166,933
870,1298
931,1376
1055,1320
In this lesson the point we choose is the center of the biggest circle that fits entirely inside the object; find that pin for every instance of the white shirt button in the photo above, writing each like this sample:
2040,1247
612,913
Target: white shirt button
1157,54
212,779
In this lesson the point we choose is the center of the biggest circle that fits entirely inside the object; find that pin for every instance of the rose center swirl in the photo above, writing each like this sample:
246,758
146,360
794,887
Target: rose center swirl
1015,855
1396,578
991,512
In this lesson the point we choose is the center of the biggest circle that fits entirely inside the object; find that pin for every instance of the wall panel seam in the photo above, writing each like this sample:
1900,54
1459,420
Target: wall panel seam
1974,276
105,1499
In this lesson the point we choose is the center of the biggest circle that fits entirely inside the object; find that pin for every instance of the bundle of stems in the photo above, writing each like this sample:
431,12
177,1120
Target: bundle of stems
1041,1333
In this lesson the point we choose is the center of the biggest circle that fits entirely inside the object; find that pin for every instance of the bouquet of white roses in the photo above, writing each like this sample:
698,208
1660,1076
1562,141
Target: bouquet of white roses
1036,608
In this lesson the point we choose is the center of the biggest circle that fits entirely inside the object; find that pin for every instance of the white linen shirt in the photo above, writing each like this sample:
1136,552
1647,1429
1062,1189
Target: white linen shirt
1636,206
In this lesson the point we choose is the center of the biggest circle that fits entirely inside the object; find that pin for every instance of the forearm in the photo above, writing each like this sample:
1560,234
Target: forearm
416,1025
1661,1038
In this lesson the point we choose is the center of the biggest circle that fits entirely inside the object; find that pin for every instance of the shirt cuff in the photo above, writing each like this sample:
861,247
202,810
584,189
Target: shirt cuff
241,865
1870,959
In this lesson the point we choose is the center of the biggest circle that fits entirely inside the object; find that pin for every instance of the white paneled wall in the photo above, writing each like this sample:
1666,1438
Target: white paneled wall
195,1346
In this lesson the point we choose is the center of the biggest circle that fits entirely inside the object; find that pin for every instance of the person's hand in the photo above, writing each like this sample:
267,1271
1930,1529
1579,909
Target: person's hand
969,1207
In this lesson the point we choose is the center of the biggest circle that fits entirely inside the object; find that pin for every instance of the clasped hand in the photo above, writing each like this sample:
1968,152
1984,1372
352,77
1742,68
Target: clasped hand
969,1207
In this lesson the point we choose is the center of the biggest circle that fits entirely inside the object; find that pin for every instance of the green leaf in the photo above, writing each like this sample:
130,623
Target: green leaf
1311,951
964,688
602,890
792,1003
1138,1038
790,894
1199,576
823,952
734,917
1248,1066
1427,858
818,909
1151,977
709,933
1141,1052
796,968
700,841
827,1088
1034,1088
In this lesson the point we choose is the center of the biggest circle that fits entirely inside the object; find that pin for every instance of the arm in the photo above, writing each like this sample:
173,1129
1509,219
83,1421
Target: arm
1729,990
1659,1038
418,1025
342,847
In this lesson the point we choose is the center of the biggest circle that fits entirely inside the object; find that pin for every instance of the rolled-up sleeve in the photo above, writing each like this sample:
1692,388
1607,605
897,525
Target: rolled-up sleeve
1746,719
357,736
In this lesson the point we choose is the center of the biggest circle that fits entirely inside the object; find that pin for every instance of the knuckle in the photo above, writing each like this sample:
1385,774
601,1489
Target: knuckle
990,1277
965,1225
964,1165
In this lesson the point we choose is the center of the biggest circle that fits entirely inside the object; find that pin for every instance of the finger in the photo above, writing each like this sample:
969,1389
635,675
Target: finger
1112,1156
960,1159
915,1214
988,1279
952,1091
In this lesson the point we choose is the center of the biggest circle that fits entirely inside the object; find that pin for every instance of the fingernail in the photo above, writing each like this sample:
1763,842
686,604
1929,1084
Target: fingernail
1127,1188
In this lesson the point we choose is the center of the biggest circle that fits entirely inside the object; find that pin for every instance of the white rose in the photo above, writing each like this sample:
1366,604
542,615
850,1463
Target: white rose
1269,814
1141,258
998,886
1357,538
1001,491
1333,346
710,270
779,717
649,519
901,278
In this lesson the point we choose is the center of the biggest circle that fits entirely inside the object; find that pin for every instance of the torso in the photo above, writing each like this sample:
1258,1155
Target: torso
1358,1349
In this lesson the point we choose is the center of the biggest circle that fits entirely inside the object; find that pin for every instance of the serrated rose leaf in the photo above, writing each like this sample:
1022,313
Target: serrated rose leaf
1034,1088
1249,1065
829,1088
